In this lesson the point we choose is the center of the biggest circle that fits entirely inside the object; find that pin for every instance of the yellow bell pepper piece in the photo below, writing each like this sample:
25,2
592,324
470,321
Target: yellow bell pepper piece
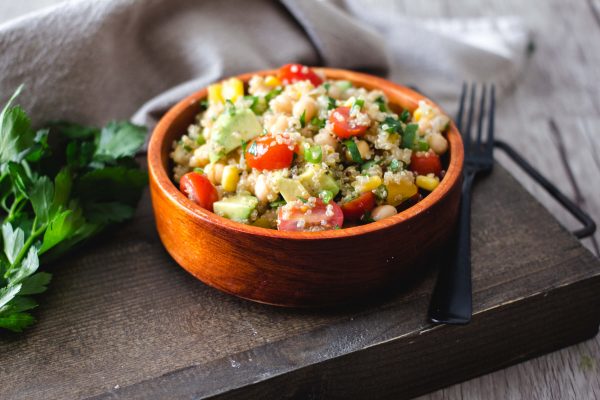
398,192
427,182
232,89
231,177
215,93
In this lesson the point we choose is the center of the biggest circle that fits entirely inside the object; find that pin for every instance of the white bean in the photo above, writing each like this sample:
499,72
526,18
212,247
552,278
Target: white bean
438,143
307,106
282,104
325,138
382,212
261,191
214,173
363,149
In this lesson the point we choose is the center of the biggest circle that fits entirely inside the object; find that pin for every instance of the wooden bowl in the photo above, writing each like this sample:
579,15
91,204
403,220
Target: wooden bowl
299,269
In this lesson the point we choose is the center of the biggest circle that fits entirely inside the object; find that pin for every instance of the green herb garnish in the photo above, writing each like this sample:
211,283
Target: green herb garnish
331,103
277,203
358,104
319,123
353,149
391,125
303,119
54,195
198,170
381,192
405,116
381,103
272,94
394,165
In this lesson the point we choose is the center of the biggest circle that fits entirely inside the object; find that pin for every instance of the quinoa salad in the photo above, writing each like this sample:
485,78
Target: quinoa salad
295,151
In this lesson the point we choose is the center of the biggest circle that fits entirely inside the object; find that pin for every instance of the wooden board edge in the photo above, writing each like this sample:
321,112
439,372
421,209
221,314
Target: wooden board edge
400,368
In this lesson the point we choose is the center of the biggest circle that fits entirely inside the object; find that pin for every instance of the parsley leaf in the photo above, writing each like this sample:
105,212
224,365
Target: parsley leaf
16,135
47,207
119,139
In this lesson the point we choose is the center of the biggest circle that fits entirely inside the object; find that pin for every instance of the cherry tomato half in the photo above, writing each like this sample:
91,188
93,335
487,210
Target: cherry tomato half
425,163
291,73
356,208
345,126
198,189
265,153
295,217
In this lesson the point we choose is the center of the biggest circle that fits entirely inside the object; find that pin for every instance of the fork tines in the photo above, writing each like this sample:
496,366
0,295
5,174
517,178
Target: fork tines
485,104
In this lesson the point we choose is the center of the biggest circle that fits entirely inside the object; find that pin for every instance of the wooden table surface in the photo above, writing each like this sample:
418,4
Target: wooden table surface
555,112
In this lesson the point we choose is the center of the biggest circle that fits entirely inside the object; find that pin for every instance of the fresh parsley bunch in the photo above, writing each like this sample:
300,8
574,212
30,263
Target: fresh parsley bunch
59,186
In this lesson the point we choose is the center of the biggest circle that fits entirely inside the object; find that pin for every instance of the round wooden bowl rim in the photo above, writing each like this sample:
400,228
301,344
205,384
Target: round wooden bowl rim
161,178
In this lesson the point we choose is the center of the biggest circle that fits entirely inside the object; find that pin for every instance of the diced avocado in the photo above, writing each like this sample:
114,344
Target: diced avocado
316,179
237,208
291,189
231,129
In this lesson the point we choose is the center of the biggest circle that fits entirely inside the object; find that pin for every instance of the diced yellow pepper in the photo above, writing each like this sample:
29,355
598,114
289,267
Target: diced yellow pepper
215,93
232,89
398,192
230,178
272,81
371,184
427,182
417,114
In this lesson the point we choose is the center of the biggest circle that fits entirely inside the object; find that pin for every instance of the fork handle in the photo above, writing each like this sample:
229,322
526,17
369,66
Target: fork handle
451,302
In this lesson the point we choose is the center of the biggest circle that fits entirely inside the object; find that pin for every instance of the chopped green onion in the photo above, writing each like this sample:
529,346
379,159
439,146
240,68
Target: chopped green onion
327,85
394,165
405,116
302,199
303,119
313,154
358,103
410,135
422,145
368,165
381,103
326,196
204,104
256,106
353,149
272,94
381,192
332,103
187,148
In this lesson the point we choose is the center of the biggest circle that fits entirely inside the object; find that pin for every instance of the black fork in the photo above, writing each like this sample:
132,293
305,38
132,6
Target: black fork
451,302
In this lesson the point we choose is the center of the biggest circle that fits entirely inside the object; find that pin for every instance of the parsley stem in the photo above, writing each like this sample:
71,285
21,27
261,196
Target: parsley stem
35,233
14,208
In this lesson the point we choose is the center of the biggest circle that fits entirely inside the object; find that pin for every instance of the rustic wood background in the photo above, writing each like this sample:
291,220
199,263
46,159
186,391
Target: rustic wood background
555,111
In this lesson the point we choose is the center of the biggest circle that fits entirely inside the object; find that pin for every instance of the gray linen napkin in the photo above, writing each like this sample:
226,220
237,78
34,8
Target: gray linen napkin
92,61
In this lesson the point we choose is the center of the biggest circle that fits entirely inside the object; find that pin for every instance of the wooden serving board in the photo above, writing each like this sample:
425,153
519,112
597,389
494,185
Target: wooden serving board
123,321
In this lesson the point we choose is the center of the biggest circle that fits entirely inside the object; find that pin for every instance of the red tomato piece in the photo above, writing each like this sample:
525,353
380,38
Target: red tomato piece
425,163
291,73
356,208
265,153
295,216
344,126
198,189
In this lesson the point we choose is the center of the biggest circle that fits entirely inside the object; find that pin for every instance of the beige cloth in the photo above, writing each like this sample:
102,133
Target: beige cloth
93,61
